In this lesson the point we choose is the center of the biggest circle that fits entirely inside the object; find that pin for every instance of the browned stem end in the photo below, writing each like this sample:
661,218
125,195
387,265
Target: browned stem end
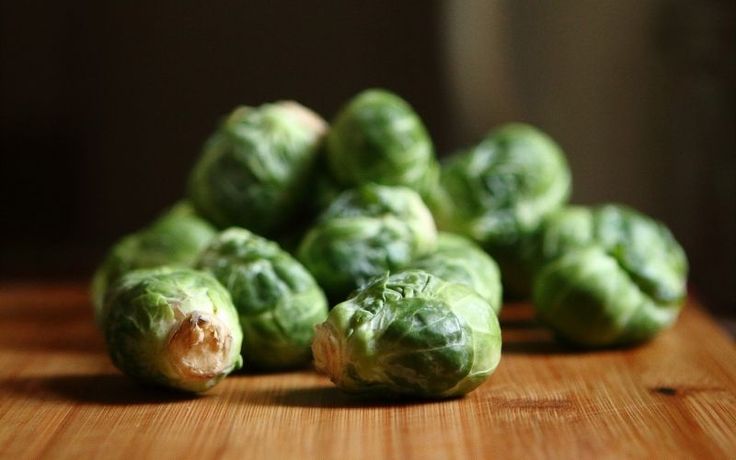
199,346
328,356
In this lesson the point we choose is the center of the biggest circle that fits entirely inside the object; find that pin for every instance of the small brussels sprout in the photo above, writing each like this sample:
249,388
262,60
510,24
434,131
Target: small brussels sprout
364,233
410,333
607,276
255,169
174,327
175,239
377,137
498,192
278,301
459,260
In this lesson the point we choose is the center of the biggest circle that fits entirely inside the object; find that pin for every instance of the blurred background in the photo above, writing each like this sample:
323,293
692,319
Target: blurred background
105,105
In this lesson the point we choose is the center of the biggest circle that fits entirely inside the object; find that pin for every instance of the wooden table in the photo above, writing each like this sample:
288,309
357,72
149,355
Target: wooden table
60,397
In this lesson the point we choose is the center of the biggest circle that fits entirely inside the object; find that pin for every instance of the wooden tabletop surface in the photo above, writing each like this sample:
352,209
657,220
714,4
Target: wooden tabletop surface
61,398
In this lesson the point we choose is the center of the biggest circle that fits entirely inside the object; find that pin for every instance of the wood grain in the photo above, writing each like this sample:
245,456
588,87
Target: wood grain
61,398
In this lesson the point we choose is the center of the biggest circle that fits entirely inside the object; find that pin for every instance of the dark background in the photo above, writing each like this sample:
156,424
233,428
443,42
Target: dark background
105,105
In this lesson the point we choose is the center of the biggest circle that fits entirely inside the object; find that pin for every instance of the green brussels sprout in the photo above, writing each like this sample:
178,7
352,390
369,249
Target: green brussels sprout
608,276
176,239
459,260
364,233
256,168
174,327
498,192
377,137
410,333
278,301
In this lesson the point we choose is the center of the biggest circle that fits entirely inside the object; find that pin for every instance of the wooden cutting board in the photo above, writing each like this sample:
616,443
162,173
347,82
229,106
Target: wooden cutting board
61,398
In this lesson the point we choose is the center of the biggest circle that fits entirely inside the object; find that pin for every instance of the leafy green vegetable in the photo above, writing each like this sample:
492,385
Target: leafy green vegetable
364,233
498,192
377,137
410,333
175,239
607,275
256,168
278,301
173,327
459,260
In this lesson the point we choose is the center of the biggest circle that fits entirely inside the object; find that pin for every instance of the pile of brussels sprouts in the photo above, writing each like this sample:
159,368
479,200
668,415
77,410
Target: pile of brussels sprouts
286,215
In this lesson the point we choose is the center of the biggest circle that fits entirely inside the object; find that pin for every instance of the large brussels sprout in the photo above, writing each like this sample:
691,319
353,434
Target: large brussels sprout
364,233
278,301
608,275
255,169
176,238
174,327
377,137
410,333
459,260
498,192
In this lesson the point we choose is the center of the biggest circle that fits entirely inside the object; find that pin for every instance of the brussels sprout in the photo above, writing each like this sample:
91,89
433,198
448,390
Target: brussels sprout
497,193
364,233
410,333
377,137
459,260
608,275
174,327
176,239
255,169
278,301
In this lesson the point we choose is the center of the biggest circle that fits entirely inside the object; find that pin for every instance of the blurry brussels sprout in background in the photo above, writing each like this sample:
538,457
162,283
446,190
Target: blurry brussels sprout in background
459,260
608,275
255,169
410,333
568,228
377,137
366,232
176,238
278,301
498,192
174,327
